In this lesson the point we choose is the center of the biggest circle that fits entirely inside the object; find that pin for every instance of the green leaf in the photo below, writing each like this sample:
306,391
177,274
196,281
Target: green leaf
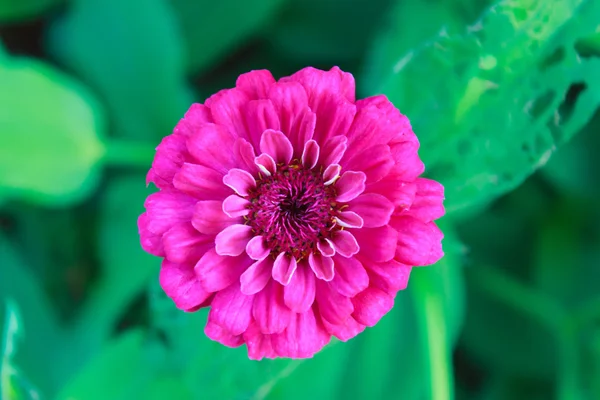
13,384
14,10
50,128
125,267
131,53
37,323
410,23
213,28
489,105
122,370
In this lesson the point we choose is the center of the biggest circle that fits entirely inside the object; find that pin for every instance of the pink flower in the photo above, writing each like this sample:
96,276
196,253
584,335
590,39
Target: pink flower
291,210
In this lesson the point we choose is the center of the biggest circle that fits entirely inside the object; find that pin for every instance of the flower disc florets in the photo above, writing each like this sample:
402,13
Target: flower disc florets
292,210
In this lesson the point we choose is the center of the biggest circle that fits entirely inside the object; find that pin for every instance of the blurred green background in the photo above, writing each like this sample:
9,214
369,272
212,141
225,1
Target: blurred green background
503,96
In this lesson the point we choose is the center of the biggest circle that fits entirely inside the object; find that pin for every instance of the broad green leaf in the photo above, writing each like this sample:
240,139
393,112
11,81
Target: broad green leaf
13,384
125,267
213,28
410,23
122,370
49,134
37,321
489,105
14,10
131,53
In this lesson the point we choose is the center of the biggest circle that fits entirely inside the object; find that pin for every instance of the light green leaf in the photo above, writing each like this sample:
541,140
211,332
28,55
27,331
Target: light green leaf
36,315
489,105
213,28
131,53
13,384
49,134
14,10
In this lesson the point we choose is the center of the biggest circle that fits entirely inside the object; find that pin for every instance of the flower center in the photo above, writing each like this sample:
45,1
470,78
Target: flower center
292,209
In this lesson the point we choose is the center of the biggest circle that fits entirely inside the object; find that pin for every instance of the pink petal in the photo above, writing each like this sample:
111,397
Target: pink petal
346,331
184,244
299,295
245,154
377,244
240,181
269,310
333,150
395,189
266,164
259,345
297,120
333,307
275,144
402,131
232,310
256,277
428,203
370,127
347,85
345,243
328,94
257,248
326,248
284,268
390,276
235,206
303,337
331,173
226,109
217,272
166,209
376,162
349,219
310,155
201,182
170,155
209,218
256,84
218,334
195,116
350,185
350,276
232,240
321,266
408,164
151,242
180,283
374,209
206,146
370,305
260,115
419,243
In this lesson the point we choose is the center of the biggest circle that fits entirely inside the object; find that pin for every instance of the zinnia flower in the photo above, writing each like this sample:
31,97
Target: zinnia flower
291,210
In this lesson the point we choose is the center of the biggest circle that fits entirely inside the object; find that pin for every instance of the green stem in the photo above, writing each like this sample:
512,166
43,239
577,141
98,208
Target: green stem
568,374
433,325
125,153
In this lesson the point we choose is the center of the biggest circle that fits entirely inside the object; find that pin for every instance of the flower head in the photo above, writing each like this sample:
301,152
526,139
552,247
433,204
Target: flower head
291,210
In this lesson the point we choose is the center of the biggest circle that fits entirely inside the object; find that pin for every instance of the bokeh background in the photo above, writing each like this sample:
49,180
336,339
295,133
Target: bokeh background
503,95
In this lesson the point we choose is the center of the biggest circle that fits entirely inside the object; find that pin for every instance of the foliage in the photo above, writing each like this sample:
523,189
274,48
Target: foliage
493,90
